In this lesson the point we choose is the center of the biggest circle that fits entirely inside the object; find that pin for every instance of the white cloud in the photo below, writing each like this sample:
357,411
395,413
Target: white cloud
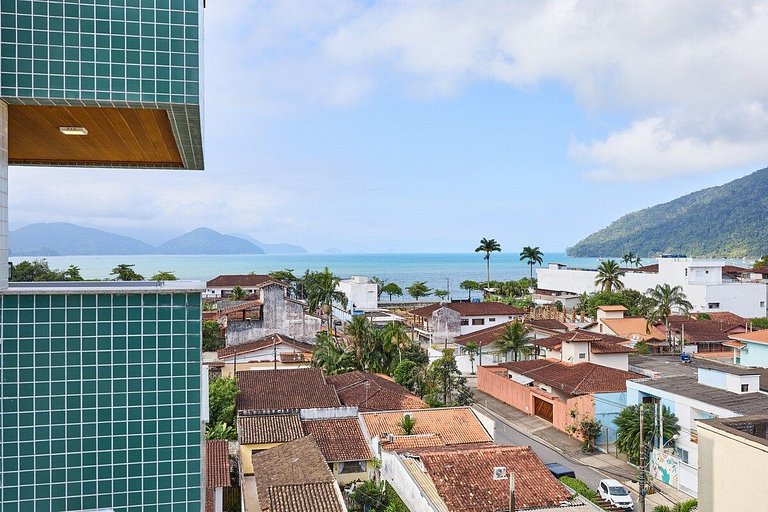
669,65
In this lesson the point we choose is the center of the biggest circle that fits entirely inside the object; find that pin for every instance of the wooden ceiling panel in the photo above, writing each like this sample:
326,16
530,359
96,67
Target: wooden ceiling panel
116,136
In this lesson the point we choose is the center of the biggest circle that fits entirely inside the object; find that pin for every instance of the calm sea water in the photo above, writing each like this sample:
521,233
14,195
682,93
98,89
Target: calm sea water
438,270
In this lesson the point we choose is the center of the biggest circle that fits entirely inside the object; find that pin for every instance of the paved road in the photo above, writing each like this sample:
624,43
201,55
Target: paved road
507,434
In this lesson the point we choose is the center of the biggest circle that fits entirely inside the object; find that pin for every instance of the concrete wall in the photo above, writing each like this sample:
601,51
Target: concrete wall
398,477
493,380
731,472
360,293
347,478
607,408
755,354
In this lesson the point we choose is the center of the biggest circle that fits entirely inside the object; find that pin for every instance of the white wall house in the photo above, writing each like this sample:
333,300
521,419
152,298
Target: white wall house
702,282
715,393
361,294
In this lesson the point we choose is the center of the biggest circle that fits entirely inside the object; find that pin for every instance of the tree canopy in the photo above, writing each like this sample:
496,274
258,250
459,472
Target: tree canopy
445,385
628,429
532,256
609,275
125,272
419,289
488,246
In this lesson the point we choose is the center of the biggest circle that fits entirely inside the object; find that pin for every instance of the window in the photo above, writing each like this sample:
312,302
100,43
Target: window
491,319
714,305
351,467
744,388
681,454
464,322
762,303
582,355
478,321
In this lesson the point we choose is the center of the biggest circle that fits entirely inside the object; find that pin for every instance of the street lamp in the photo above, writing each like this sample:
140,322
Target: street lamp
448,287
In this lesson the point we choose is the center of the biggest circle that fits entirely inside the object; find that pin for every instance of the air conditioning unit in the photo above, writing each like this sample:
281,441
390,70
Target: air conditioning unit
499,473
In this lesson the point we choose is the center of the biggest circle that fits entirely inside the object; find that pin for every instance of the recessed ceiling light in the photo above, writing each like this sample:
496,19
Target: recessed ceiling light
73,130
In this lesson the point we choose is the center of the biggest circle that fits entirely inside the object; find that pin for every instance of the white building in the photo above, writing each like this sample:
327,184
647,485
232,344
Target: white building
709,285
361,294
720,391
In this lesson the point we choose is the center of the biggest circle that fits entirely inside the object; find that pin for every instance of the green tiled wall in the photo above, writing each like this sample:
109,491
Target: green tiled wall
112,50
100,402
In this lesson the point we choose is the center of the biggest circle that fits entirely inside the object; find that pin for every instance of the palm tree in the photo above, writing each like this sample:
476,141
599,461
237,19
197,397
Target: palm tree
321,290
685,506
379,286
488,246
329,356
238,293
398,336
358,332
608,276
628,258
628,429
472,349
515,339
533,256
660,303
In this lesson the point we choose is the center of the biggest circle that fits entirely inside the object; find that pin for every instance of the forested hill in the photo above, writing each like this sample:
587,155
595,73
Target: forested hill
726,221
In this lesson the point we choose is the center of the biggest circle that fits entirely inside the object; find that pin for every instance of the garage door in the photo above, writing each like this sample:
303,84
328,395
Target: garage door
542,409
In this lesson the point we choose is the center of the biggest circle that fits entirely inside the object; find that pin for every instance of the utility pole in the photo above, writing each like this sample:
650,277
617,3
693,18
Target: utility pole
512,491
642,462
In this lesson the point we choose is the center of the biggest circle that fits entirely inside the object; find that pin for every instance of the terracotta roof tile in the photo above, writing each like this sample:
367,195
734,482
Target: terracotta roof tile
295,388
262,343
701,331
216,464
239,306
471,309
340,439
612,308
727,317
317,497
269,428
483,337
754,336
373,392
598,343
453,425
243,280
548,323
576,379
634,326
295,468
464,477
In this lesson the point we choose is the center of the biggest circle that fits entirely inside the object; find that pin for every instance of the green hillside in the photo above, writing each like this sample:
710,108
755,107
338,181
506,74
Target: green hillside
726,221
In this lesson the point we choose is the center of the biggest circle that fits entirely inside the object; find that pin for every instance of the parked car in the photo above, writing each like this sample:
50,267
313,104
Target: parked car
559,470
616,494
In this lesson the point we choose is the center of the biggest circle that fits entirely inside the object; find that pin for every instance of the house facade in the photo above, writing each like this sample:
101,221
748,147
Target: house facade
443,321
750,348
716,392
709,285
361,294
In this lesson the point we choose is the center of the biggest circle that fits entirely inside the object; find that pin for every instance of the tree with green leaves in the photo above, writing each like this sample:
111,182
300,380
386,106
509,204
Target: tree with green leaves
330,356
398,337
407,424
609,275
470,286
761,263
36,270
222,392
684,506
441,294
392,289
125,272
628,429
472,349
488,246
379,285
532,256
516,339
164,275
238,293
406,374
220,430
322,291
445,385
369,496
72,274
359,332
662,301
212,338
419,289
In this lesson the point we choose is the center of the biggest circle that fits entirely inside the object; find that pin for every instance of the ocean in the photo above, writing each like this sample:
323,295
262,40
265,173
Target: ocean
440,271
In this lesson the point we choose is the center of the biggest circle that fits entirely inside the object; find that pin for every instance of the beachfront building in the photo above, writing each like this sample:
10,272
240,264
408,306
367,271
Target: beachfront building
709,285
101,382
362,295
718,391
220,287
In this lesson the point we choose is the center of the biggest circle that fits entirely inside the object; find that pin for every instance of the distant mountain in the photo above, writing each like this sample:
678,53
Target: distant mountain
62,238
273,248
208,241
726,221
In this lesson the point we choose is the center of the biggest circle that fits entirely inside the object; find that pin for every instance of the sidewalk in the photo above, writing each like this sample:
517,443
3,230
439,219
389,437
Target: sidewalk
559,441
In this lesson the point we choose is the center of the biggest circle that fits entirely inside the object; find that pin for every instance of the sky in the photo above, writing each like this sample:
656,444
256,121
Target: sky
423,126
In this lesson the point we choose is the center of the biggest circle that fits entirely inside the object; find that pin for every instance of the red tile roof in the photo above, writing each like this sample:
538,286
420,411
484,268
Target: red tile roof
471,309
262,343
216,464
453,425
340,439
701,331
295,388
612,308
754,336
547,323
294,477
269,428
464,477
373,392
728,317
575,379
598,343
240,306
483,337
243,280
